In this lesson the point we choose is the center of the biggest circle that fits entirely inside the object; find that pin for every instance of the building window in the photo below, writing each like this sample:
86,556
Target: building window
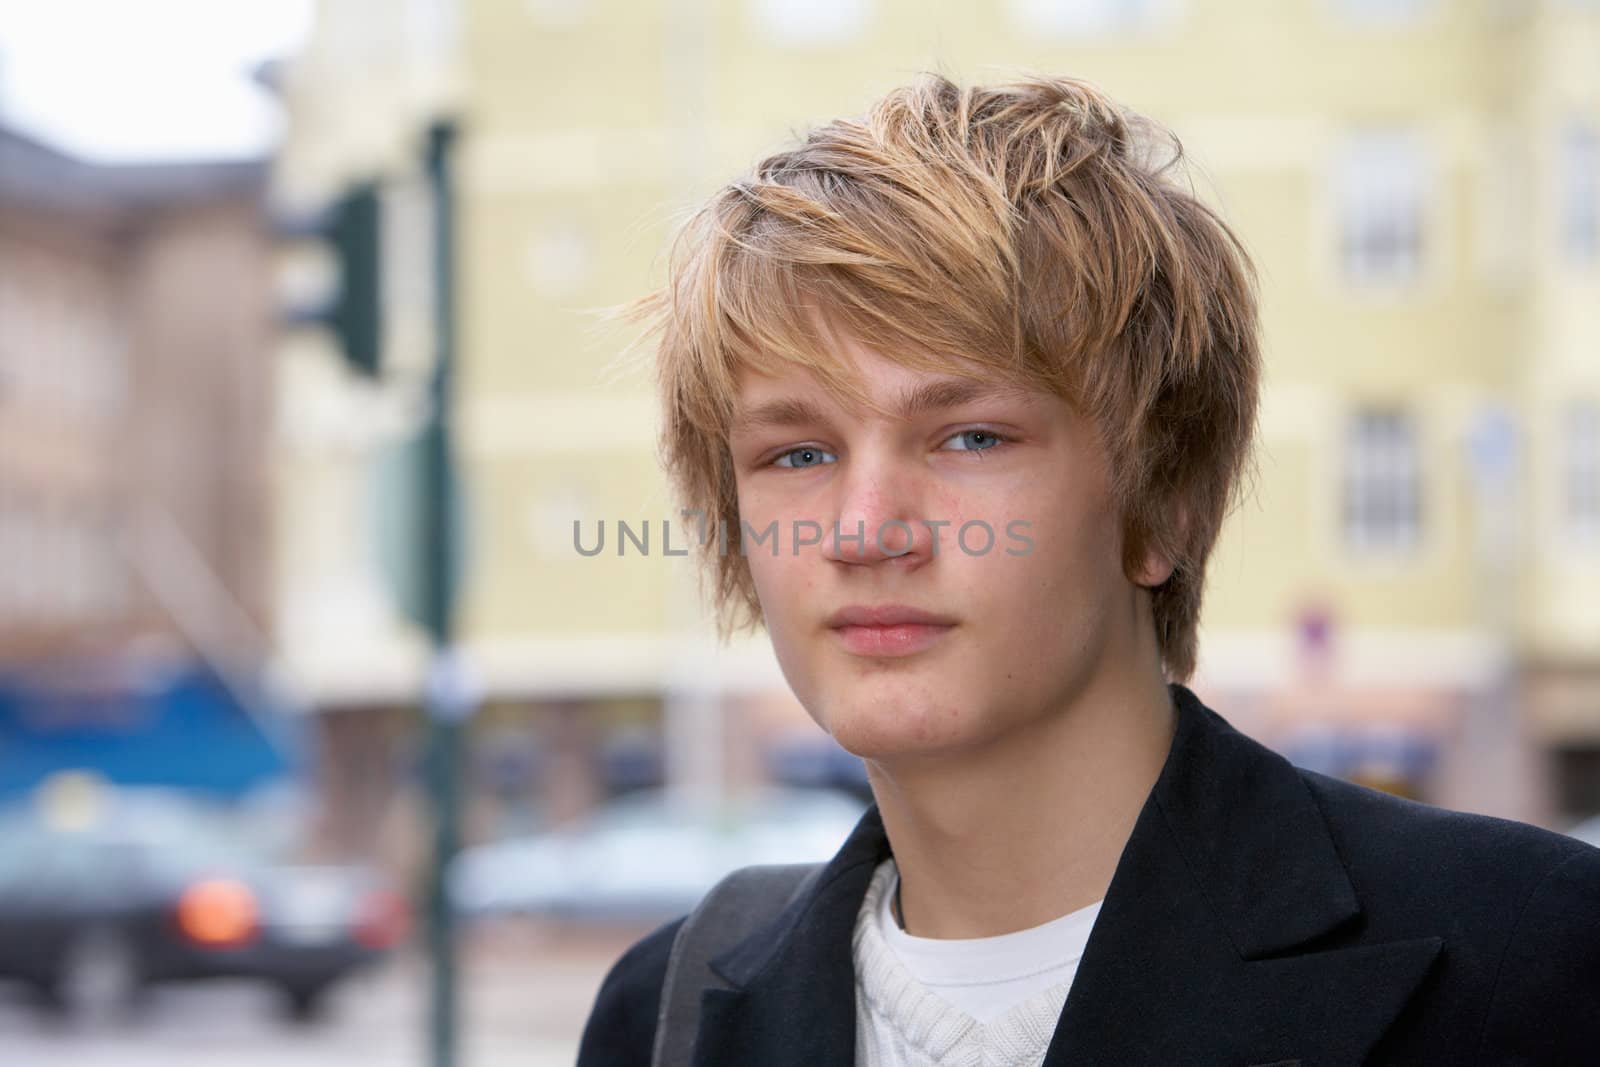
556,14
1075,18
18,538
10,548
109,586
1582,473
1580,193
1382,482
1383,12
810,23
1381,196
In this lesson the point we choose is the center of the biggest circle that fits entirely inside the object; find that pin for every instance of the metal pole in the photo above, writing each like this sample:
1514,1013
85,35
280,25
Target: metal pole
448,703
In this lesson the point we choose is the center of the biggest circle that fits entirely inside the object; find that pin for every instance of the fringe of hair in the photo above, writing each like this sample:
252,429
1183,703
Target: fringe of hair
1031,232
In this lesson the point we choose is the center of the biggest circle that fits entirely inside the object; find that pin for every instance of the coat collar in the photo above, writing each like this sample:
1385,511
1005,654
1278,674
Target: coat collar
1216,941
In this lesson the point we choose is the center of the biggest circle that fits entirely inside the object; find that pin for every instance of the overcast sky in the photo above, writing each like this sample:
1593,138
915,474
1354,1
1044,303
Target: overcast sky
145,80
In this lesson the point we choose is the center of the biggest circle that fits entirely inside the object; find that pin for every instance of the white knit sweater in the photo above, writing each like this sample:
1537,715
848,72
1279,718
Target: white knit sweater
900,1022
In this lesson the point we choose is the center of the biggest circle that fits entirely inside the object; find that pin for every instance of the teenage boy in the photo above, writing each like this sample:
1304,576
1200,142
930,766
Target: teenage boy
983,340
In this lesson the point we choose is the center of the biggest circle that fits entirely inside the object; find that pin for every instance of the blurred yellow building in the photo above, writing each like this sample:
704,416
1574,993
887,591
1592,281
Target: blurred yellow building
1408,598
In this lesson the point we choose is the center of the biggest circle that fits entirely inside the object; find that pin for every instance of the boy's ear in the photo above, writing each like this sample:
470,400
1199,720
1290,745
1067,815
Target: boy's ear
1157,566
1156,569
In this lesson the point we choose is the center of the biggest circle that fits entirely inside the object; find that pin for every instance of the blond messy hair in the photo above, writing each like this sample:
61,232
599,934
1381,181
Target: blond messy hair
1021,232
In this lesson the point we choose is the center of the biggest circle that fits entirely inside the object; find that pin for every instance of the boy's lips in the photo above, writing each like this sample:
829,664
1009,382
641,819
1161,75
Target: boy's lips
886,615
888,629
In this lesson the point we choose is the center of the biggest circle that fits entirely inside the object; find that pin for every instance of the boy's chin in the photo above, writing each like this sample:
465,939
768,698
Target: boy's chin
886,733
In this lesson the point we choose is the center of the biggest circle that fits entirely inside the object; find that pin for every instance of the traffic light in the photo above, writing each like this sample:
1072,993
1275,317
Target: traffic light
357,315
353,229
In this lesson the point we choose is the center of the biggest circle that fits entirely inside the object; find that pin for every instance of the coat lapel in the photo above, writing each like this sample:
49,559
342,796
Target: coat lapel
789,996
1228,935
1229,931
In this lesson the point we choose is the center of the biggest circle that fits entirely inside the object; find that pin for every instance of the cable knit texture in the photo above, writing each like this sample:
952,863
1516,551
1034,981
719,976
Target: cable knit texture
900,1022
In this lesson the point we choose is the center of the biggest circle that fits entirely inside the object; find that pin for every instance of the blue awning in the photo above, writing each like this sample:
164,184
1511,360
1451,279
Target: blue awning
179,727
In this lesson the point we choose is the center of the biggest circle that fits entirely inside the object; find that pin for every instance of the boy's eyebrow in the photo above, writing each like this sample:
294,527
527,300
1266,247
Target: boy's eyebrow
934,395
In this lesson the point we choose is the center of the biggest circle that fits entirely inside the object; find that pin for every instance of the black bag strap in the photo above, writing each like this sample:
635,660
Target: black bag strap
730,910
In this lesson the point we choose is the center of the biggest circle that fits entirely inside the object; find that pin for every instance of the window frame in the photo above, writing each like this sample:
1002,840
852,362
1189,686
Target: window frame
1369,495
1098,19
1579,474
1357,197
1578,192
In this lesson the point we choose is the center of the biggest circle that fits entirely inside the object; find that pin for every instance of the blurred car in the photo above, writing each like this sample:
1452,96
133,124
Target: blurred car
159,888
649,855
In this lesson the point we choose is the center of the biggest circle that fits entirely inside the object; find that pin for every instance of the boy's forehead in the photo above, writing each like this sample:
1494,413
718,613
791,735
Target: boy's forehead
793,393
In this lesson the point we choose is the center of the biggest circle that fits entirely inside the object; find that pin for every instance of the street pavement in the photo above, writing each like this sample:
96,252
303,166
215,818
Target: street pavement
525,994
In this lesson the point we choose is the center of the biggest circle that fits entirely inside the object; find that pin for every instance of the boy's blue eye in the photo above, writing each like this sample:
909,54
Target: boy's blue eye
811,456
976,440
803,457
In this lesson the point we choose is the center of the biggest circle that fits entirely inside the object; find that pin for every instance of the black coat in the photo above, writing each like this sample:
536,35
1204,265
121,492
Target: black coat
1260,913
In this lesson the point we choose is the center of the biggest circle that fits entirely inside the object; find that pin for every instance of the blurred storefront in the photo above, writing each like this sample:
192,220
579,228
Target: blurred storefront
1564,712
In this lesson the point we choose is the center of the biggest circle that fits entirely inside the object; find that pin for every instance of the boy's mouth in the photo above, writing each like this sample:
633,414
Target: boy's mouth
888,629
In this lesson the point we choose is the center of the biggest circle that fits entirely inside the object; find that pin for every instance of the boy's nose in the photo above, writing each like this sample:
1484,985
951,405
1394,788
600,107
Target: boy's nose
878,519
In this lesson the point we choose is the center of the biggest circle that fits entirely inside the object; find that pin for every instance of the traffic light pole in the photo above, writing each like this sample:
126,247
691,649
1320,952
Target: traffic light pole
448,700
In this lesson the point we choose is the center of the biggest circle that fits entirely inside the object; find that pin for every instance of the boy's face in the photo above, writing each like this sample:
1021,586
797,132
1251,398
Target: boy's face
1028,605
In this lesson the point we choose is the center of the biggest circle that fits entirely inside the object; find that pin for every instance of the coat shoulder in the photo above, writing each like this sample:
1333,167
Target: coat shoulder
1472,879
1392,845
1517,906
621,1029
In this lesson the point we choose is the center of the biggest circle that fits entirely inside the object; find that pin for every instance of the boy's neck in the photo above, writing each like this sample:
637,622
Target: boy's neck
1029,828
